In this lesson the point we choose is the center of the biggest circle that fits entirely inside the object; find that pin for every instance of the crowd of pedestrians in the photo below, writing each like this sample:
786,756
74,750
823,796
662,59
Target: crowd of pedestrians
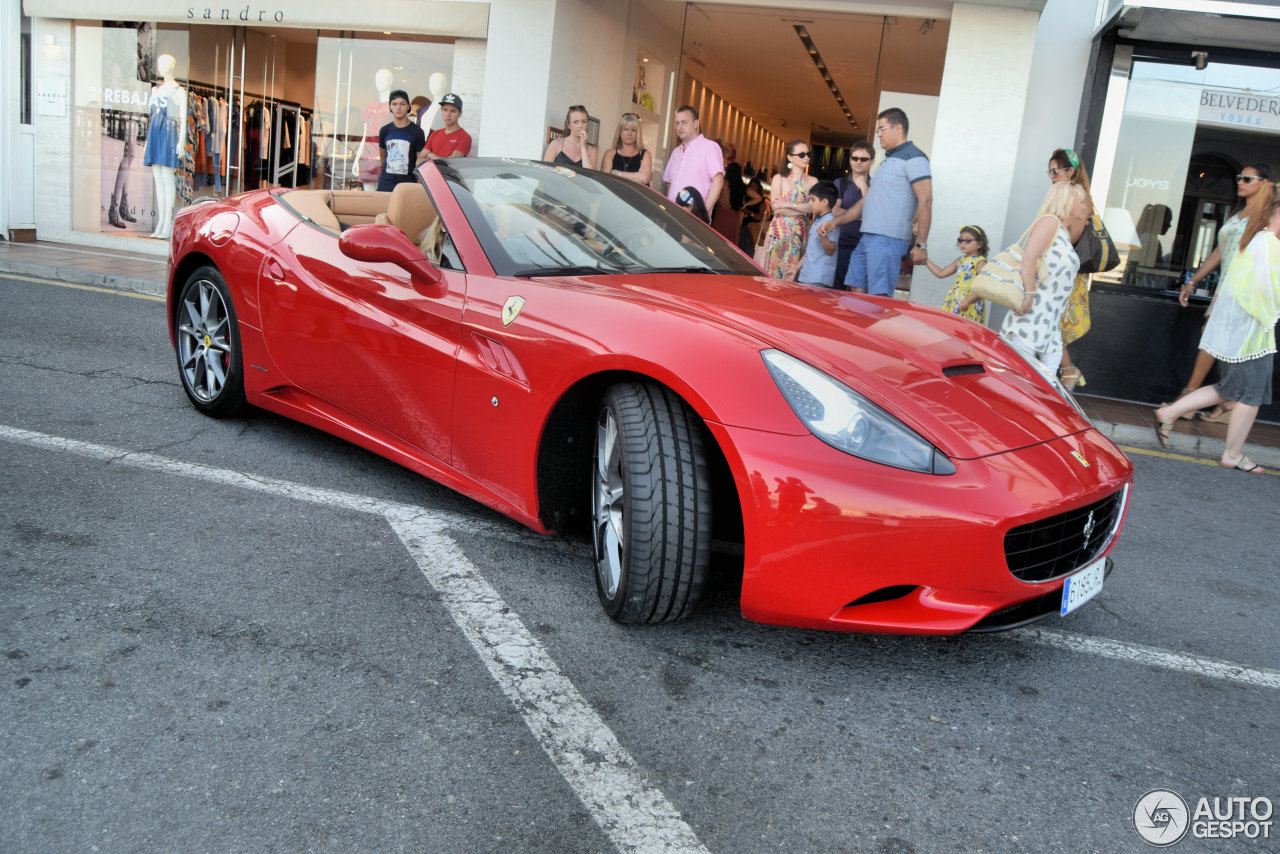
860,232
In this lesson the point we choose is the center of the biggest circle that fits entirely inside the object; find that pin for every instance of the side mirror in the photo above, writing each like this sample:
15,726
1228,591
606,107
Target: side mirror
386,244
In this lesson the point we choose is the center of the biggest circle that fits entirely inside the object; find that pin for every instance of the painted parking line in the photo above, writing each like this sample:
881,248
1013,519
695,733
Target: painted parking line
1166,455
635,815
113,291
1151,656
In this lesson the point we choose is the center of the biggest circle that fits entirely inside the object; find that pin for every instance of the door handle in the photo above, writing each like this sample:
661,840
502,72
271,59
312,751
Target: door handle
274,271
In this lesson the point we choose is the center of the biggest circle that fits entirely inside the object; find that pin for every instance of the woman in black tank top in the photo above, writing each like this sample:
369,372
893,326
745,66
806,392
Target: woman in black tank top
628,158
573,149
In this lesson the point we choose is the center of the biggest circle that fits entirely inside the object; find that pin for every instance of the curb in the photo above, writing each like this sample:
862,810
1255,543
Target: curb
1185,443
73,276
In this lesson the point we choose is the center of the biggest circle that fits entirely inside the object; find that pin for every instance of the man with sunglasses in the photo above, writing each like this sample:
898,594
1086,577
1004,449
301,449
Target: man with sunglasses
848,212
898,205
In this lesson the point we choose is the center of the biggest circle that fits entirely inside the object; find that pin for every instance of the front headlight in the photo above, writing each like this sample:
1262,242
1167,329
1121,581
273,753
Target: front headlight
846,420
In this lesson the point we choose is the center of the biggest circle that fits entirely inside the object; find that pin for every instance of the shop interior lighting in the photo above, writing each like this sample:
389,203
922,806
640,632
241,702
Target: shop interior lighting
825,72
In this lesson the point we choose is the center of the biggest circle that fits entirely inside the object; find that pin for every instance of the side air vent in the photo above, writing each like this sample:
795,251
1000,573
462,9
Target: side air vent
961,370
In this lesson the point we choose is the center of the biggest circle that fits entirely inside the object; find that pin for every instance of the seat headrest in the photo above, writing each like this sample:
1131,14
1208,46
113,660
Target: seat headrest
411,210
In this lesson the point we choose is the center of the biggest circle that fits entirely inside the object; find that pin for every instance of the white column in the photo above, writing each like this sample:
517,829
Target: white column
976,141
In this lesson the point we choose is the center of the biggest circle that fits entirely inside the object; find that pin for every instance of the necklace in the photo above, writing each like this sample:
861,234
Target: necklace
628,164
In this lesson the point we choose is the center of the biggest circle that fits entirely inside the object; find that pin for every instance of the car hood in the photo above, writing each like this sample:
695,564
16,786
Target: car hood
952,380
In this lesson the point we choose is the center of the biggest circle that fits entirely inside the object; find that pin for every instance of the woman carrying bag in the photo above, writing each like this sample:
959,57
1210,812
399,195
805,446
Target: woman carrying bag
1046,270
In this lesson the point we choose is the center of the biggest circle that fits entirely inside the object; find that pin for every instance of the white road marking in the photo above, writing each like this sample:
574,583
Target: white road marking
1151,656
635,815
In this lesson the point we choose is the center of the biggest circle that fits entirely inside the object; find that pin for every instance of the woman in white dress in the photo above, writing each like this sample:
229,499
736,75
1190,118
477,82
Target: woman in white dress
1034,325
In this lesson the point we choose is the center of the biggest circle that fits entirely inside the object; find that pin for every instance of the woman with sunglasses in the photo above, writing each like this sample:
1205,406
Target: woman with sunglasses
789,198
573,149
1248,183
629,158
1065,167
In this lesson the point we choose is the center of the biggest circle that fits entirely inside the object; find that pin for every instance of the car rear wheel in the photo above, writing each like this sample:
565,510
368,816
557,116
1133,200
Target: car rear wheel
208,341
651,505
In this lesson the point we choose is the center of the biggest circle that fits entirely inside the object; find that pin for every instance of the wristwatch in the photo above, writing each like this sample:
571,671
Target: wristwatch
919,245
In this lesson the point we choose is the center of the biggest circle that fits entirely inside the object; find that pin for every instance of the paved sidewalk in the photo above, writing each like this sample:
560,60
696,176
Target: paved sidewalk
1124,422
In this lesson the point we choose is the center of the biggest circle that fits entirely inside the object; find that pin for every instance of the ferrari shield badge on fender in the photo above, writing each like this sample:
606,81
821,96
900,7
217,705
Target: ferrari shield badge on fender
1079,456
511,310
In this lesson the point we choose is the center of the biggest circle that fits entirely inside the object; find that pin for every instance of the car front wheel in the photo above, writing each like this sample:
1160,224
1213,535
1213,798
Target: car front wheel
208,341
651,504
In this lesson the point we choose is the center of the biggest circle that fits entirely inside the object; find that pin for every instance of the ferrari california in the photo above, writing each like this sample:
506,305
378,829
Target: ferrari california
574,351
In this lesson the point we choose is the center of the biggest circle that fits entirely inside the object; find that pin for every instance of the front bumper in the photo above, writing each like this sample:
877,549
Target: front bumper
835,542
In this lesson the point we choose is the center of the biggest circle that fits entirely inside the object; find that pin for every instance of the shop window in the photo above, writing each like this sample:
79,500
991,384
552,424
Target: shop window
1185,134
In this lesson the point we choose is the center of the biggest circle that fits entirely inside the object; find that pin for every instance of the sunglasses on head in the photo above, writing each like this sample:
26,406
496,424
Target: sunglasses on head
684,198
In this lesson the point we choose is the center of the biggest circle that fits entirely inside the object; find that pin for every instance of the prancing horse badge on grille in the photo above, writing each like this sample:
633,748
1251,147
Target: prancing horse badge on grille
1079,456
511,311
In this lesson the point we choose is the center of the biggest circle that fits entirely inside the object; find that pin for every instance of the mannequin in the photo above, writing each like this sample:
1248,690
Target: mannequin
166,140
438,84
375,115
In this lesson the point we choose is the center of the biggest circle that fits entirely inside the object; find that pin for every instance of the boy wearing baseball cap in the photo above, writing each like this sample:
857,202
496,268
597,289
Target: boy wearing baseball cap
400,144
450,140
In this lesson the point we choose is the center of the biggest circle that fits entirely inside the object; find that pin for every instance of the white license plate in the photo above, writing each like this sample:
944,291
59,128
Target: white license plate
1083,586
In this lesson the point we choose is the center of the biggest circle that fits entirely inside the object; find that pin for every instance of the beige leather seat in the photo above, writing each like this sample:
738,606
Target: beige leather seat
411,210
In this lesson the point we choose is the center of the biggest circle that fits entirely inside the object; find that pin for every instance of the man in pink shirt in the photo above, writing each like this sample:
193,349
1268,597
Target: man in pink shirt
696,162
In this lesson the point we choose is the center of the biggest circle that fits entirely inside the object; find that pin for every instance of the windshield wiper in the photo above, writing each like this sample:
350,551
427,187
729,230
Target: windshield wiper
691,268
566,270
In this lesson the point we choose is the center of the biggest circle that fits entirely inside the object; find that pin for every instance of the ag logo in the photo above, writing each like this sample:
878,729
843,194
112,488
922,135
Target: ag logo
1161,817
1080,458
511,310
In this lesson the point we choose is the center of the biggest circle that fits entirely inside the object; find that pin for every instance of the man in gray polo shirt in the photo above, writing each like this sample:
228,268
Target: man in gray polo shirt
901,194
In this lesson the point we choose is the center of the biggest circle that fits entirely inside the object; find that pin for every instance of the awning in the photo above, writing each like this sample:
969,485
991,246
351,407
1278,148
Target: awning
1202,23
457,18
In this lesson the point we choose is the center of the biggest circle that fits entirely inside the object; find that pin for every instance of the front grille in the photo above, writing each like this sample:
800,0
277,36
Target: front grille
1054,547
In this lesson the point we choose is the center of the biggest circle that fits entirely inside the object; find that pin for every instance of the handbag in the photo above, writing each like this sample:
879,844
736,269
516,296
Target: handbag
1001,278
1096,249
760,256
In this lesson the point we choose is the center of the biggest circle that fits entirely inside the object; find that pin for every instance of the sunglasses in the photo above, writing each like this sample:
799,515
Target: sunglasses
861,159
1247,179
965,240
1054,173
802,154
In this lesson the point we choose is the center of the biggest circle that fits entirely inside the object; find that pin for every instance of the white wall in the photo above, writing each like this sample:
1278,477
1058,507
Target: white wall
1055,89
981,109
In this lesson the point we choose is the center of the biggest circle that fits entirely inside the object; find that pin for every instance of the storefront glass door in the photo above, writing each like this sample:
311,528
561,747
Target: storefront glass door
354,76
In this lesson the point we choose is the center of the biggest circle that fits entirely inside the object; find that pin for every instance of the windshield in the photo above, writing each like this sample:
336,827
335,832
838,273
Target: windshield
536,219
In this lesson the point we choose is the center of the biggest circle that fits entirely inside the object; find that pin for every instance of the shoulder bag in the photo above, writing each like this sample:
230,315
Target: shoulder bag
1001,278
1096,250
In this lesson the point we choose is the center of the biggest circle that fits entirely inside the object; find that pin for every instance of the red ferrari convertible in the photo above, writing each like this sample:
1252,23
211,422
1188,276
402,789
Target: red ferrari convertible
567,347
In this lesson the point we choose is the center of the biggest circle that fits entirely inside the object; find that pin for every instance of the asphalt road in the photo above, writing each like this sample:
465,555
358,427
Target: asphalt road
248,636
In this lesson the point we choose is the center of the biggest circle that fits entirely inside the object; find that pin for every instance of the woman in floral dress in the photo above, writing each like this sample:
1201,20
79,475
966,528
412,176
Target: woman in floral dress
789,195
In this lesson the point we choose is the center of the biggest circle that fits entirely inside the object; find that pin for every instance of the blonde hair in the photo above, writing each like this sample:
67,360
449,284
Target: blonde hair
1060,199
629,120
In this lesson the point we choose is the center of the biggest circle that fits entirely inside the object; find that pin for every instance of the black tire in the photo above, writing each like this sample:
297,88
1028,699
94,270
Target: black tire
650,504
208,343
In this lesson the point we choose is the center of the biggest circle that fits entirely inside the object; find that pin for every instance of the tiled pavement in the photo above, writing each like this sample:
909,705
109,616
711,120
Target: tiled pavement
1125,422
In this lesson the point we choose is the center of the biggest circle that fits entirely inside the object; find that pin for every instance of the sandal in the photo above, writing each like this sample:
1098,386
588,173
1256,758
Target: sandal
1219,415
1072,377
1164,430
1245,465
